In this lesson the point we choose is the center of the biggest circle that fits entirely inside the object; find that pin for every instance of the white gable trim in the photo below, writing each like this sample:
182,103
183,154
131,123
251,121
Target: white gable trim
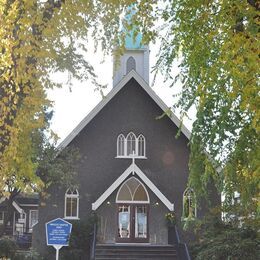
153,188
112,188
111,94
134,169
17,207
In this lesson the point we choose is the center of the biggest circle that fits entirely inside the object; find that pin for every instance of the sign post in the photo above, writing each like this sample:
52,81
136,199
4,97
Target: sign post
58,234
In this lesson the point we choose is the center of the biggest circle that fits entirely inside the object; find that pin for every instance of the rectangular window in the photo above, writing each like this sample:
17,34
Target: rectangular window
33,218
140,222
124,221
2,217
71,207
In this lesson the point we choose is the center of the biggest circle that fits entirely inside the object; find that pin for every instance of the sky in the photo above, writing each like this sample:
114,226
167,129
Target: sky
71,106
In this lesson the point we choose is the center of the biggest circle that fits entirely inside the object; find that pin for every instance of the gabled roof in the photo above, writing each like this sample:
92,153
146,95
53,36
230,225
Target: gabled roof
27,199
132,169
111,94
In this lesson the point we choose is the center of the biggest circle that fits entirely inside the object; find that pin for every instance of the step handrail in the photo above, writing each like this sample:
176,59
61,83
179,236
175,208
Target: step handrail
94,240
182,247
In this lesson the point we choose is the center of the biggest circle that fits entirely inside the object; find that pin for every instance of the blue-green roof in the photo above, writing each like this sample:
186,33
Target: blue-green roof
132,41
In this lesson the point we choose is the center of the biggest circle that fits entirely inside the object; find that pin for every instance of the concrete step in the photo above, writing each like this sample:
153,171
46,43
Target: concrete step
135,252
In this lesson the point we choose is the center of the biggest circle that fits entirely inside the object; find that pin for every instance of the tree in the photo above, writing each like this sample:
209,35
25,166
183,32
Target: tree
219,240
217,47
36,38
215,43
54,167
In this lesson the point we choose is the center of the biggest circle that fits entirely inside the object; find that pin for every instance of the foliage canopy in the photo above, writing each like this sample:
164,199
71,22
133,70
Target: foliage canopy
218,240
217,47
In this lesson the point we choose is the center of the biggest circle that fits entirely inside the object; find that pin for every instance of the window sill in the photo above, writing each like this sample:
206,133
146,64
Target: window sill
72,218
131,157
188,218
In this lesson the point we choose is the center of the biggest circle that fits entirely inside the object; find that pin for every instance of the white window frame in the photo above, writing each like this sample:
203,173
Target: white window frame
144,145
2,218
131,140
22,221
120,139
65,202
30,219
133,201
136,138
191,196
127,63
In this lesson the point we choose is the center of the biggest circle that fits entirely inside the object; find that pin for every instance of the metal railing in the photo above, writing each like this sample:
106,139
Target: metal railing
182,248
94,241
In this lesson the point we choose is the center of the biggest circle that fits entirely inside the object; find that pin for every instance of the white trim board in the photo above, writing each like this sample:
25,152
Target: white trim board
17,207
132,169
29,205
111,94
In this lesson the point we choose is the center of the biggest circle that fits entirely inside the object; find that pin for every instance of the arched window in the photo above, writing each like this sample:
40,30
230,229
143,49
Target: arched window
130,64
132,191
141,145
72,204
189,204
121,145
131,144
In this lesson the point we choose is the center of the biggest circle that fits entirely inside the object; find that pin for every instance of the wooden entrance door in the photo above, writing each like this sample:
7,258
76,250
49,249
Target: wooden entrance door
132,223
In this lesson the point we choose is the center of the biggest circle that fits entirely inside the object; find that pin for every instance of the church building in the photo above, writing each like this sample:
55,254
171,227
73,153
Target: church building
133,173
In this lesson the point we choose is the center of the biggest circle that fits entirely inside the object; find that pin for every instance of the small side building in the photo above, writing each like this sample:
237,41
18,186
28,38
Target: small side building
24,215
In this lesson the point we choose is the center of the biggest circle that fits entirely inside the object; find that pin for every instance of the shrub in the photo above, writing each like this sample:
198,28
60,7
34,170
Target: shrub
80,240
29,255
7,248
70,253
219,240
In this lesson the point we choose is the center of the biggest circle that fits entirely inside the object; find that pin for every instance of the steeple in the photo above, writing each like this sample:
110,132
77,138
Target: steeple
135,57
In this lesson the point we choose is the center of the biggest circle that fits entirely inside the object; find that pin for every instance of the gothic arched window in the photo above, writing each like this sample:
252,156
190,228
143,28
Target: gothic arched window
130,64
121,145
132,191
189,204
141,145
72,203
131,144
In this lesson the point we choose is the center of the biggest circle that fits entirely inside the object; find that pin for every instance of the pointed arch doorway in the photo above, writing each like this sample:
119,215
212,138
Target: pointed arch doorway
132,212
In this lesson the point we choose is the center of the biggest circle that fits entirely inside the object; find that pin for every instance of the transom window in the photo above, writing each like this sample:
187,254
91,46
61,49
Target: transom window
132,191
72,204
189,204
131,145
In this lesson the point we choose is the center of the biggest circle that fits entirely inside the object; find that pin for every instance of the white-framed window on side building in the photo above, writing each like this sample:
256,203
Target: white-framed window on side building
2,216
131,145
71,204
33,218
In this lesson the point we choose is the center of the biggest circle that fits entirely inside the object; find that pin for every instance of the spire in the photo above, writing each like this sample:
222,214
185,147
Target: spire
136,55
132,41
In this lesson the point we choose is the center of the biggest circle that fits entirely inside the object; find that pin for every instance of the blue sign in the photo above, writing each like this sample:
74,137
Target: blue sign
58,232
